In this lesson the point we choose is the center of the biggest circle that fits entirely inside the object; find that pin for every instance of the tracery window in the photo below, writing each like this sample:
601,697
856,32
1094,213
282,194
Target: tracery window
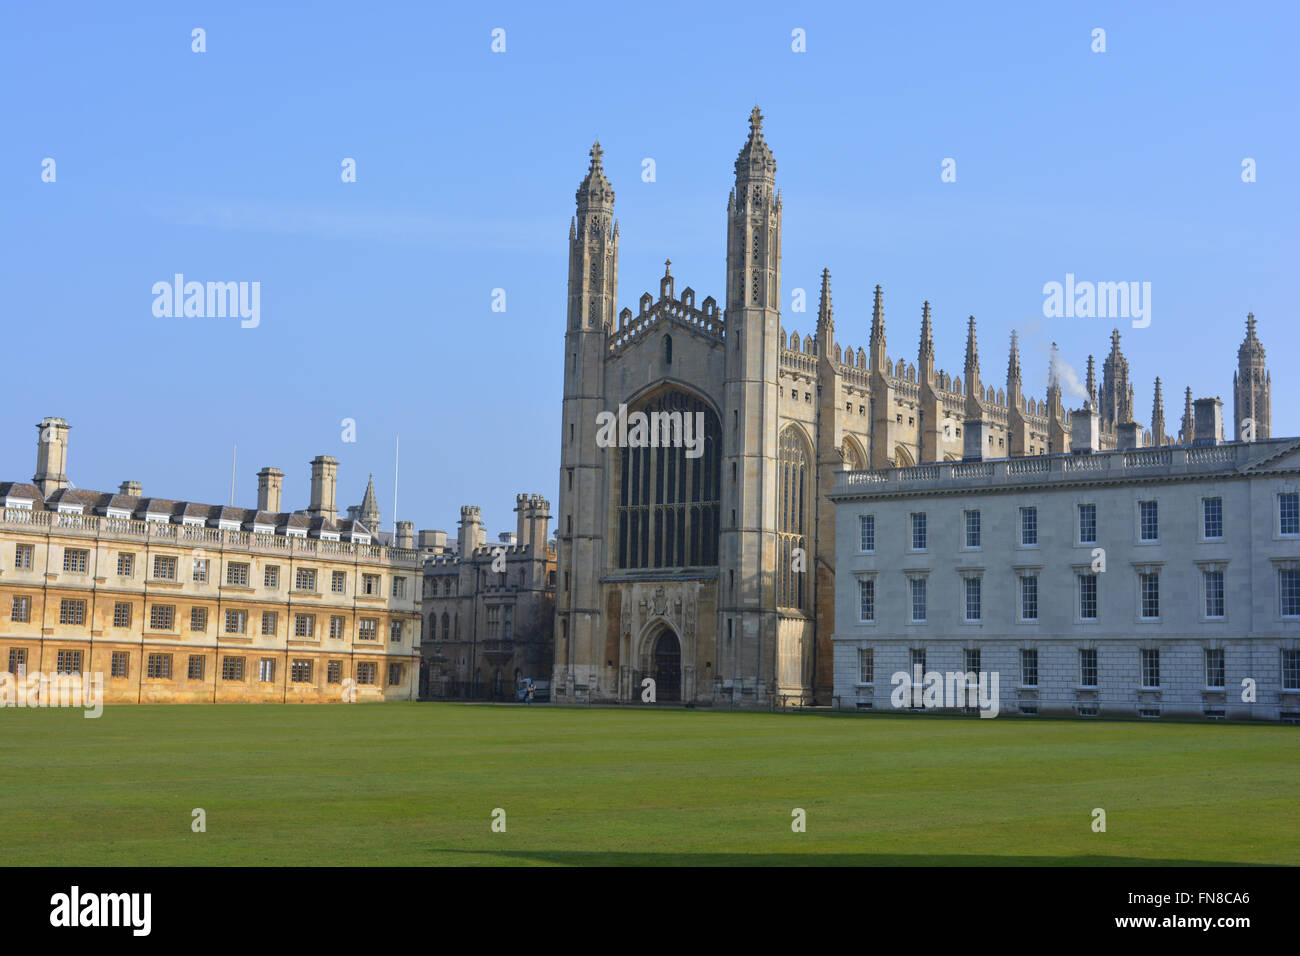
668,502
794,498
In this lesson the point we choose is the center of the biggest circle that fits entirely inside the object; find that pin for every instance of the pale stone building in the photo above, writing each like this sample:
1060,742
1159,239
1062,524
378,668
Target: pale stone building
715,575
1141,583
176,601
489,608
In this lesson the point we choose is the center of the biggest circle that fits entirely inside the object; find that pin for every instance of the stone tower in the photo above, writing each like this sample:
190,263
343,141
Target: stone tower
593,288
748,546
1251,385
1116,401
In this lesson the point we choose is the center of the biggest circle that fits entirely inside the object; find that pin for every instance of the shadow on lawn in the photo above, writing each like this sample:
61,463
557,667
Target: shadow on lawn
598,858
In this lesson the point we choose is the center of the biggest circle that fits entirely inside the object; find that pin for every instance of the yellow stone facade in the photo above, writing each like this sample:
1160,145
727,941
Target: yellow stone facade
177,609
176,602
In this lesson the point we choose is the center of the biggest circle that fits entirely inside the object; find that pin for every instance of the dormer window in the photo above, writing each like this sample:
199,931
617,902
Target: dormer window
157,518
69,509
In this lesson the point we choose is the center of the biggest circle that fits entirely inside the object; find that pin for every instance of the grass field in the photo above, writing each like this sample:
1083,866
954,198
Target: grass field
416,784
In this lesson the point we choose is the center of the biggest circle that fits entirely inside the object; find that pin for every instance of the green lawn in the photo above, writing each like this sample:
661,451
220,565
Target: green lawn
416,784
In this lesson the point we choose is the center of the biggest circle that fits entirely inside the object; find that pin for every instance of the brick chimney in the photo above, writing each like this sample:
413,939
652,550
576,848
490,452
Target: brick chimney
130,488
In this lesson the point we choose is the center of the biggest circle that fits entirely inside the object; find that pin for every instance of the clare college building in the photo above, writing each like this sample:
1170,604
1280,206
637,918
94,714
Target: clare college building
735,577
176,601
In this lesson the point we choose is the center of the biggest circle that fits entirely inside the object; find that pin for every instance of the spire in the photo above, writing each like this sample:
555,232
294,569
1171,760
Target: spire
1091,383
927,333
877,343
974,388
1187,428
1115,403
1013,359
1251,388
1158,418
825,316
595,188
369,510
755,160
972,353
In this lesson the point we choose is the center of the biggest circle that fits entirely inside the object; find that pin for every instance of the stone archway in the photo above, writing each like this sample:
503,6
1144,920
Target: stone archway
665,660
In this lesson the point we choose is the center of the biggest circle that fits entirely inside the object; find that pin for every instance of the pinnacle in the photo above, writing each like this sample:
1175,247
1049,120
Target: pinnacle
594,184
755,159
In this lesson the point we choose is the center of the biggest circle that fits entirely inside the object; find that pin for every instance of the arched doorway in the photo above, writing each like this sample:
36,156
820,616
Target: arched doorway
666,666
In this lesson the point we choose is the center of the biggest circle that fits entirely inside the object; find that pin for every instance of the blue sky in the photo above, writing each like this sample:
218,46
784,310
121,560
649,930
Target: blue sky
376,295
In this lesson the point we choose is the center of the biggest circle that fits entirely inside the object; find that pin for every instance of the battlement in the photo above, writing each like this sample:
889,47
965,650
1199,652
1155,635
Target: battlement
681,312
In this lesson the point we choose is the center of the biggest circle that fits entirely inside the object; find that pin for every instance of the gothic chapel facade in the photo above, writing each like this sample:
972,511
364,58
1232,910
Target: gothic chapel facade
714,575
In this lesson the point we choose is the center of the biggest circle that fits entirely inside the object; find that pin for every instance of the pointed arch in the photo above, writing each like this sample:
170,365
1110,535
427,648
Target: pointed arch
668,501
903,457
853,454
795,495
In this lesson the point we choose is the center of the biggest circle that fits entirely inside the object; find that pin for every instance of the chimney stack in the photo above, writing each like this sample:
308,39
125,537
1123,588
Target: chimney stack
975,439
405,536
1128,436
471,534
270,486
1208,419
324,486
435,541
130,488
1085,430
51,455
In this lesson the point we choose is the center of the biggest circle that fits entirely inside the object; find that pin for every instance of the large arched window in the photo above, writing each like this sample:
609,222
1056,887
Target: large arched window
849,452
794,498
668,502
446,628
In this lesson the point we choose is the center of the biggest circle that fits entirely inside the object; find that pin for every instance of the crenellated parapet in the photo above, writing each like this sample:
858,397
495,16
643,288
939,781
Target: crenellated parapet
667,309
